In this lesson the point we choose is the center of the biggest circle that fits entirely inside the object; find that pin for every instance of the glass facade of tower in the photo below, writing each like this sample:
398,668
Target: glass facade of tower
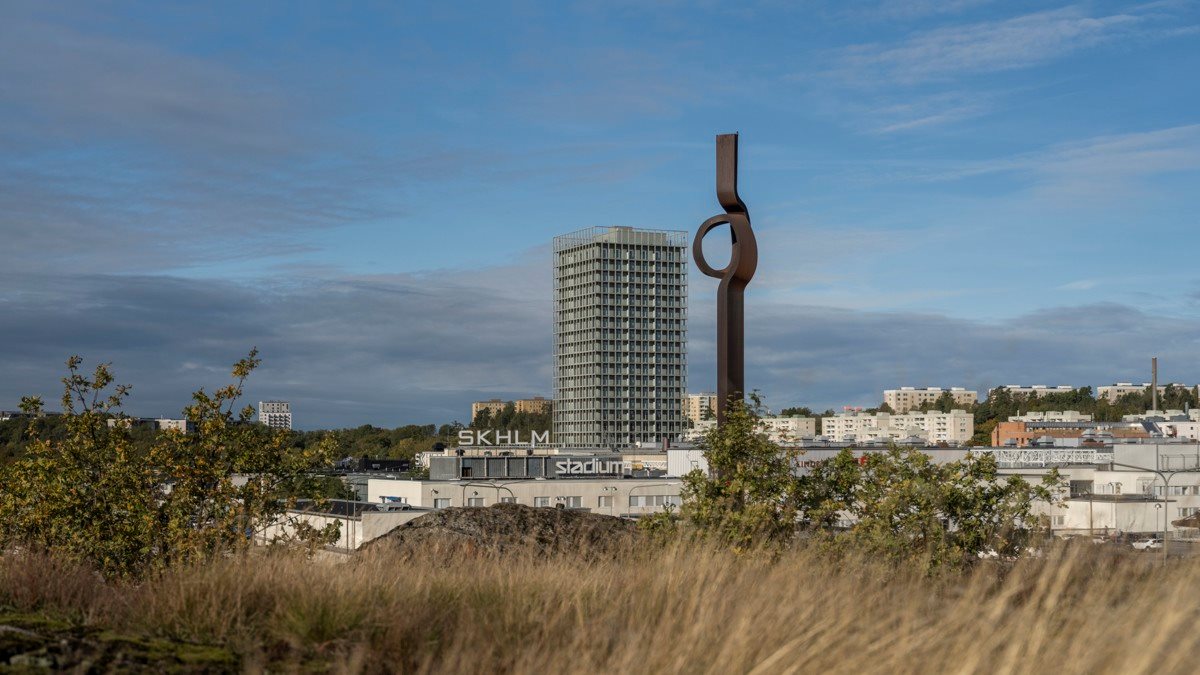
620,333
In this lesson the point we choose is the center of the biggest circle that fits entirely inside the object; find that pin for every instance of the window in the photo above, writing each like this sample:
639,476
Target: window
541,501
1186,511
571,502
1058,521
441,503
604,502
474,501
508,500
654,500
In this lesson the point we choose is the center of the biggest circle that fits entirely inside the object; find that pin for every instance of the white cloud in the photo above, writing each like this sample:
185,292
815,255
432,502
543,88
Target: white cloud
988,46
395,349
1080,285
919,112
1102,167
912,9
929,78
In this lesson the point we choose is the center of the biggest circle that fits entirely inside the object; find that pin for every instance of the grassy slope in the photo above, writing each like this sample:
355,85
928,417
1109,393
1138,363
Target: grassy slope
681,609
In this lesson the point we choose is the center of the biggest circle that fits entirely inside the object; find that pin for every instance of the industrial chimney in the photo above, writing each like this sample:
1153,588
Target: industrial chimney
1154,383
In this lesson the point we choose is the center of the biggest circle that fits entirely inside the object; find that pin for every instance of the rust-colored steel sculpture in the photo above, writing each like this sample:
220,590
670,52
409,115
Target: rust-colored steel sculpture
731,338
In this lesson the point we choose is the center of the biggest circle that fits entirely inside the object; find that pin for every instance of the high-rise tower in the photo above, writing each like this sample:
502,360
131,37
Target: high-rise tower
620,336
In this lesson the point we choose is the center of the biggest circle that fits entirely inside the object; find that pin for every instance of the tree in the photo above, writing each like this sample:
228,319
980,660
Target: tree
483,419
799,411
983,433
898,503
943,403
748,494
901,504
95,497
1177,398
504,418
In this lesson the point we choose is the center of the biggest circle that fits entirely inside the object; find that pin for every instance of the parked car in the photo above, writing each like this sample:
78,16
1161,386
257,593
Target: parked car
1148,544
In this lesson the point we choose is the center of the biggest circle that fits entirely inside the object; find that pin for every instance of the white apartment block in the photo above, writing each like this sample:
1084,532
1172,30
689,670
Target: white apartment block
697,404
782,430
1052,416
1033,390
907,398
620,336
275,414
1112,392
954,427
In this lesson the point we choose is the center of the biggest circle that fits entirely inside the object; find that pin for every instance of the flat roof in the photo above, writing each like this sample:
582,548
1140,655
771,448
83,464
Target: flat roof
519,479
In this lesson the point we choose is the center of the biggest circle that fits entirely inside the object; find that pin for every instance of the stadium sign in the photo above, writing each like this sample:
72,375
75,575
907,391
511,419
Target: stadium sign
589,467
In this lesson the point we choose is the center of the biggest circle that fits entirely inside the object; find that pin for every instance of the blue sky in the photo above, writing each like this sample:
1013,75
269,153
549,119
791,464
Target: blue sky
945,193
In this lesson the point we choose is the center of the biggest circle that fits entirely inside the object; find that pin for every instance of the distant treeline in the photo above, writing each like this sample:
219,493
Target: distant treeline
399,443
377,442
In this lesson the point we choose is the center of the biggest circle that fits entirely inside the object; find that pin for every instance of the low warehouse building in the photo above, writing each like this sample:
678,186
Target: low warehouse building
358,522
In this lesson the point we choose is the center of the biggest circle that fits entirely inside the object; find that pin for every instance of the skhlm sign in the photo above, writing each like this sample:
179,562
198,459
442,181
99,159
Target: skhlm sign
502,437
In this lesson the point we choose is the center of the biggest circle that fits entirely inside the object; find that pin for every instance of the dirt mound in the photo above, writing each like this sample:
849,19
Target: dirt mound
510,527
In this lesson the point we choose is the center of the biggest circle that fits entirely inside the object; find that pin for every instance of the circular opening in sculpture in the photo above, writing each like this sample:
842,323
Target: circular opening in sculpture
717,247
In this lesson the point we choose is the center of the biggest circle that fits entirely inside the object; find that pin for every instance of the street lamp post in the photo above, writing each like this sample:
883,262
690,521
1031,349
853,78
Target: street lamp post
1091,502
1113,490
1164,537
491,484
611,498
639,487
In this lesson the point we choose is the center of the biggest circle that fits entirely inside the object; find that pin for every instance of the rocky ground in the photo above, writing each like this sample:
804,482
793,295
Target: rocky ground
511,527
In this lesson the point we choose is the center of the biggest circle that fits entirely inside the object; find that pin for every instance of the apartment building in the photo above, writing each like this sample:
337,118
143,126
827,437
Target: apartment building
535,405
275,414
620,334
492,405
907,398
697,405
1033,390
782,430
954,427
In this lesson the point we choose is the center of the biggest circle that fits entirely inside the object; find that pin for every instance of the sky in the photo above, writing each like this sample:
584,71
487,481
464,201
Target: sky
945,193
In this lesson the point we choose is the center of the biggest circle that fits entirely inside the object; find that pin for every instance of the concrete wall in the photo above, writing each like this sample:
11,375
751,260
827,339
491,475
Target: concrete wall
353,532
349,534
589,492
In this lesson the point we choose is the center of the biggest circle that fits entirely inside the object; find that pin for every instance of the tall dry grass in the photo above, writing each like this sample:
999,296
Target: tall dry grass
683,608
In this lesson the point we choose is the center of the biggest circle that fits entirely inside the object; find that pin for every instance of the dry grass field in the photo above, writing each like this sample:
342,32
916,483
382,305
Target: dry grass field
677,609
